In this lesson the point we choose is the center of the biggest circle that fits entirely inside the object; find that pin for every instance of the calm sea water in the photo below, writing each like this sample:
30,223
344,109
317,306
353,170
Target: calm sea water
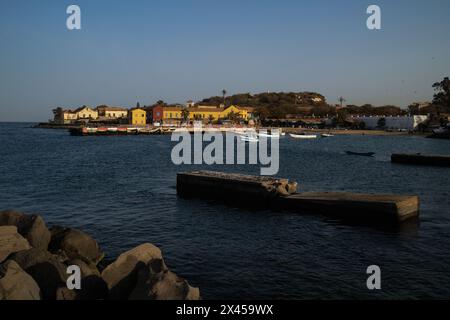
122,190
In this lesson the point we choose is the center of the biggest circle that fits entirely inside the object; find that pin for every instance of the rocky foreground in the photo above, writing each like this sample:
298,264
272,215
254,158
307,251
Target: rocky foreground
34,262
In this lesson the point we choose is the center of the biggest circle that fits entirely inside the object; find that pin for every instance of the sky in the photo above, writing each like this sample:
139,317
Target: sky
143,51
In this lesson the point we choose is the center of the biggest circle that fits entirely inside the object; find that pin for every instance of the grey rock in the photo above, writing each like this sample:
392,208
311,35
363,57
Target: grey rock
45,268
158,283
75,244
31,227
16,284
141,274
121,275
93,287
11,241
64,293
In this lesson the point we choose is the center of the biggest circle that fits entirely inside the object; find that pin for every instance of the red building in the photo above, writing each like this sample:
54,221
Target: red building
157,113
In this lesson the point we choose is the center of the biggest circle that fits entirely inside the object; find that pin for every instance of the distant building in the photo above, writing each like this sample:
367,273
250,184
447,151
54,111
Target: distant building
62,116
174,115
112,112
190,104
137,117
86,113
392,122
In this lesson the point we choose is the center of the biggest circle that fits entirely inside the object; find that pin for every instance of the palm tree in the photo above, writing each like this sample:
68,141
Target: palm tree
341,101
185,115
224,93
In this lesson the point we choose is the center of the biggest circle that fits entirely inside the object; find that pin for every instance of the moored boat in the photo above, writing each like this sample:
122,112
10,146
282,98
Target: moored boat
303,136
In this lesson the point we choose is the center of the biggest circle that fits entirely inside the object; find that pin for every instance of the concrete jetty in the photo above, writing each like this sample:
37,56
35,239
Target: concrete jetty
422,159
281,194
358,207
234,188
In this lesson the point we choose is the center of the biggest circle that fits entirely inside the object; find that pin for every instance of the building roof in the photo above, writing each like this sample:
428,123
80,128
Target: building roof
82,108
173,108
107,108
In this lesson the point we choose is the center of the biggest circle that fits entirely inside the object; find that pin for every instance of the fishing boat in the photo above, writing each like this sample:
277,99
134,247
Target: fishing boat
303,136
441,133
362,154
271,135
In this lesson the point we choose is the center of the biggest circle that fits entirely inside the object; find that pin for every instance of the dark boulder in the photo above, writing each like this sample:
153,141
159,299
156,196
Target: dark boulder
155,282
121,275
11,241
31,227
16,284
75,244
141,274
93,287
46,269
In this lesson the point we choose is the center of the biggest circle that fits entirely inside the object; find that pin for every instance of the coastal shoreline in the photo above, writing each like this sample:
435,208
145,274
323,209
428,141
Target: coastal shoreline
287,130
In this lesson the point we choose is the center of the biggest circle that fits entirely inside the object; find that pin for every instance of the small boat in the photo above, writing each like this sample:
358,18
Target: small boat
267,135
327,135
303,136
362,154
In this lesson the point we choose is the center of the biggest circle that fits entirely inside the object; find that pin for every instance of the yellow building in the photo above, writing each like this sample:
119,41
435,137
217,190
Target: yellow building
215,114
174,115
86,113
137,117
241,112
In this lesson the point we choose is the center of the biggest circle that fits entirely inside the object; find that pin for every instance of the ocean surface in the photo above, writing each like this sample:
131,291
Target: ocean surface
122,191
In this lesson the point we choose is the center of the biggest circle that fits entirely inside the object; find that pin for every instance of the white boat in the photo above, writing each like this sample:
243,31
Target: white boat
327,135
303,136
267,135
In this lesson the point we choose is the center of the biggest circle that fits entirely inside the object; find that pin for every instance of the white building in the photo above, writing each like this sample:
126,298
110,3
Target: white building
392,122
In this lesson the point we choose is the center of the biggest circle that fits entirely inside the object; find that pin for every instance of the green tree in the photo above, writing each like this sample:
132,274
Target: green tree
341,101
224,94
442,96
185,115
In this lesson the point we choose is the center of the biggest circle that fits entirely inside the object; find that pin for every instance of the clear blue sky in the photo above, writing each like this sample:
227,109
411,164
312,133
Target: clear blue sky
129,51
